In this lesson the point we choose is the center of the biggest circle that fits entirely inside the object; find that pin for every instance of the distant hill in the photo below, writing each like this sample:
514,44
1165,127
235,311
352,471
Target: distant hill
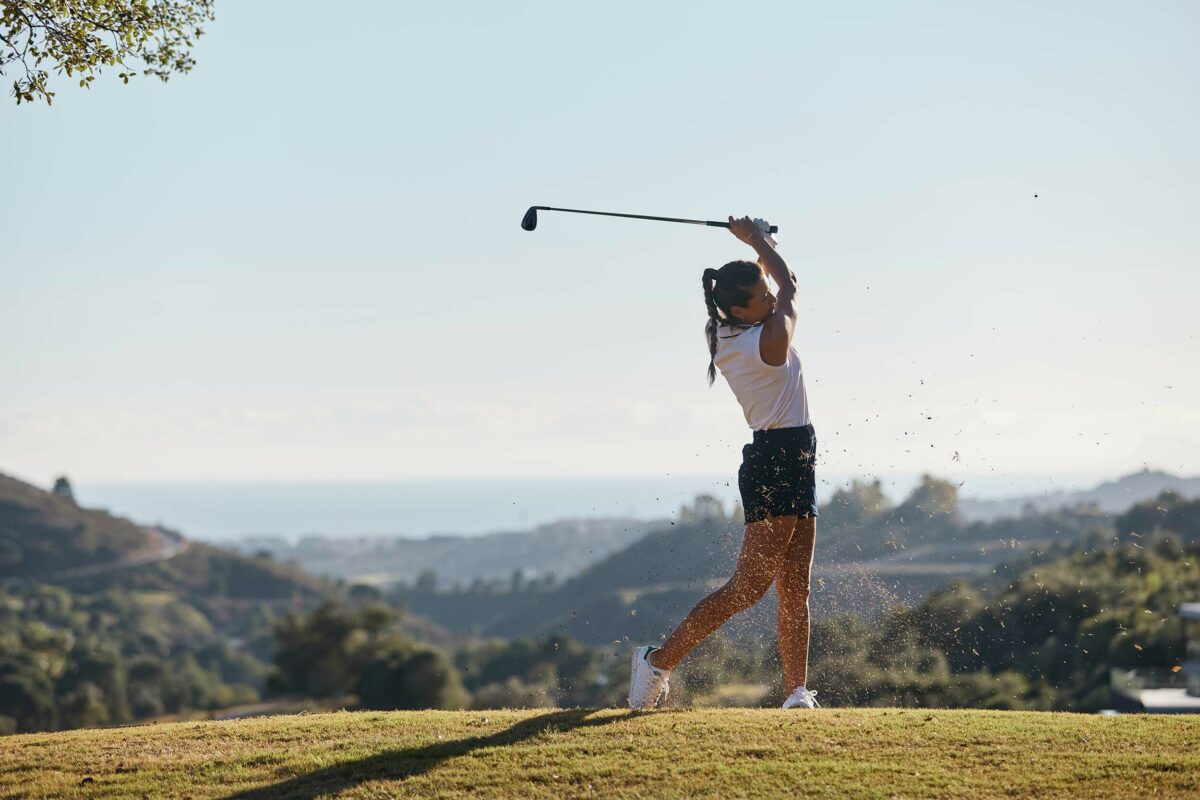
208,571
103,621
870,556
48,538
560,549
41,533
1110,497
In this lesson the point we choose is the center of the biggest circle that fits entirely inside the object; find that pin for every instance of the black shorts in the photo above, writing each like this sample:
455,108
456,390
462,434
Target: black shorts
778,474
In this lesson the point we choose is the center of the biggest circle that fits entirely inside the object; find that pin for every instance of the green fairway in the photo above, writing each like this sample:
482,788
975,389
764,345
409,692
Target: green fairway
614,753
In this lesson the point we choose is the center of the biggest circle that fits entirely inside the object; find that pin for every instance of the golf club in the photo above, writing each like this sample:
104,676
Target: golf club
530,220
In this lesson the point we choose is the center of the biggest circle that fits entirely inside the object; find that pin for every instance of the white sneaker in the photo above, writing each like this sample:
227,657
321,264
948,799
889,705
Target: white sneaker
646,681
802,698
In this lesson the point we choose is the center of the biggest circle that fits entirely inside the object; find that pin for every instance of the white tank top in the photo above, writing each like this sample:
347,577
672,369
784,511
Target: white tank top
771,397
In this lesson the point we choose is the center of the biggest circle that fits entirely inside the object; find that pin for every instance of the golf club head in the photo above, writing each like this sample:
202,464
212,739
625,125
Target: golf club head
530,220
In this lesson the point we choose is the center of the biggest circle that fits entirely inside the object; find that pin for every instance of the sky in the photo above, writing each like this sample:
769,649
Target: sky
303,260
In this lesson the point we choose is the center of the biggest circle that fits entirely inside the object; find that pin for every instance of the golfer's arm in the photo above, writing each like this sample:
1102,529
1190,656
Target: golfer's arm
777,268
779,327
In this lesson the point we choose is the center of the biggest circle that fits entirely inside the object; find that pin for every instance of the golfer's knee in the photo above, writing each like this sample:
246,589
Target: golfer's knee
792,588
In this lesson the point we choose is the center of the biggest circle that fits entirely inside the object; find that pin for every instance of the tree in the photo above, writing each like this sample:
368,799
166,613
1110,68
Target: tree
933,497
85,706
427,582
29,699
320,654
146,677
1167,512
99,665
857,503
405,677
528,673
82,37
364,593
62,488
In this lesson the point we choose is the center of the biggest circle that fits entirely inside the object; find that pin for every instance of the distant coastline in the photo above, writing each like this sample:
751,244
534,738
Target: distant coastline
226,511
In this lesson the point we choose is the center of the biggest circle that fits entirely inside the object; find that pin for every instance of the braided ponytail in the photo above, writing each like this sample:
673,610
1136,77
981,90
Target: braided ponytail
710,328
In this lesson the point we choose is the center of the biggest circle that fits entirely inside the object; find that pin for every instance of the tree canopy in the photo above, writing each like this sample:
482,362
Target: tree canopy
80,38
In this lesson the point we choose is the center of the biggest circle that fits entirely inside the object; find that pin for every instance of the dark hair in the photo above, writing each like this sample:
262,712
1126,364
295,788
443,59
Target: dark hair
725,288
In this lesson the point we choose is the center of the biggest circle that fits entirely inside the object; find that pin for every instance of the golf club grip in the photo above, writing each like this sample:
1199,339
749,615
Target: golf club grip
774,228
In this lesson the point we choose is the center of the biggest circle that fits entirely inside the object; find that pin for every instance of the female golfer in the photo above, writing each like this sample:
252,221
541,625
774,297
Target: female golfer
749,338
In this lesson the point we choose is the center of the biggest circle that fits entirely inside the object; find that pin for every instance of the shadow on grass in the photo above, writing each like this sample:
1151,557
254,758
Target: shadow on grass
400,764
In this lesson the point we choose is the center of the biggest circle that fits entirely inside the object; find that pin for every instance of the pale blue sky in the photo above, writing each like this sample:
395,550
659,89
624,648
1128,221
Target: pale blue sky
304,259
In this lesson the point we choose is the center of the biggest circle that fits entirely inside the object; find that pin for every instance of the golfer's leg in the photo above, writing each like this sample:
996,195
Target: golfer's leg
791,584
757,565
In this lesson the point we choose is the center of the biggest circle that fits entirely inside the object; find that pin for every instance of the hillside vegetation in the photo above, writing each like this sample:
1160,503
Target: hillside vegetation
870,555
1042,631
835,753
41,532
103,621
200,630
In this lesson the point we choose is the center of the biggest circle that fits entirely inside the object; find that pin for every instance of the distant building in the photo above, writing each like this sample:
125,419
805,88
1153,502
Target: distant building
1189,613
1162,690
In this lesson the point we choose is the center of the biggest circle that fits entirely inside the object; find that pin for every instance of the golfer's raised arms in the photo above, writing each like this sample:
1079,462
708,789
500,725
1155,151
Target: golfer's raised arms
780,324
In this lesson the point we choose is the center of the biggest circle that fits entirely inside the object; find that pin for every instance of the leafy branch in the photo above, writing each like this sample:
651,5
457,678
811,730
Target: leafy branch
79,38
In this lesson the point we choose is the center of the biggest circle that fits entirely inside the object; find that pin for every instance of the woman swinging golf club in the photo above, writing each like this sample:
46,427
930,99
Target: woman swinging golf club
749,339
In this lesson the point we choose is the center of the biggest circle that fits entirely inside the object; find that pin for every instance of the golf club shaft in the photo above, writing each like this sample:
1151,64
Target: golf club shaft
710,223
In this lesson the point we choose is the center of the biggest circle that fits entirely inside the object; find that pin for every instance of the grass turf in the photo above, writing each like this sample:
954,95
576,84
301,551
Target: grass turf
718,753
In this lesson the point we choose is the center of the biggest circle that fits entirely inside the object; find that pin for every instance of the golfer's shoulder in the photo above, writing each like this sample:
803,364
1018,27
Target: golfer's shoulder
739,344
737,336
776,338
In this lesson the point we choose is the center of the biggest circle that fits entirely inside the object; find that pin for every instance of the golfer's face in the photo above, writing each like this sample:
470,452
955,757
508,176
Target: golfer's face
761,303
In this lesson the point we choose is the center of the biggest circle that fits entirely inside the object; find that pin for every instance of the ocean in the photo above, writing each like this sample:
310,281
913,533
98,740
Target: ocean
227,511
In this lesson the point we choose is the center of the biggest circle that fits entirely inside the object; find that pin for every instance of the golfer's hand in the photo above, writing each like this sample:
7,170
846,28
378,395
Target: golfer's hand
745,230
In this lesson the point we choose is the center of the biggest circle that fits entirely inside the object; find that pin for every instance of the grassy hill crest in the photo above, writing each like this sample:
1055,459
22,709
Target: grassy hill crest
553,753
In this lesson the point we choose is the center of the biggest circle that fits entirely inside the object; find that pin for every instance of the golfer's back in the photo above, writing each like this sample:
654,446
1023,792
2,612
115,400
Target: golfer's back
770,396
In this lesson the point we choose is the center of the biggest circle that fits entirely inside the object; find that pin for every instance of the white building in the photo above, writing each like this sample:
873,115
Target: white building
1189,614
1162,690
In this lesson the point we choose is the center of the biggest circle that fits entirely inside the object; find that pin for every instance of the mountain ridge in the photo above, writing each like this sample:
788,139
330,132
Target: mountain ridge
1111,496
